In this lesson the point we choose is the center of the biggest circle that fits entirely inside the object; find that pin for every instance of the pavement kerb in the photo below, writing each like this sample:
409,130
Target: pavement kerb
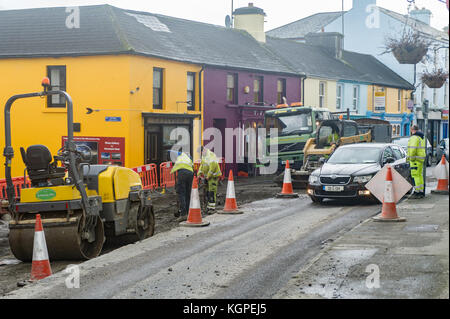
344,241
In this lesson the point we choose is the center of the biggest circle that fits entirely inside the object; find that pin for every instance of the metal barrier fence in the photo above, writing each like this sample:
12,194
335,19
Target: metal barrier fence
149,176
18,183
166,179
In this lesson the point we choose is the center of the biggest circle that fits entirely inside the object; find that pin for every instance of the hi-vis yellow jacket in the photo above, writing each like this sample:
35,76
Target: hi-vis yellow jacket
209,166
416,149
183,162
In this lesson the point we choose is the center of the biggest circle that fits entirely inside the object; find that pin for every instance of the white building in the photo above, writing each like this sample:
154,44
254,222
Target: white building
366,27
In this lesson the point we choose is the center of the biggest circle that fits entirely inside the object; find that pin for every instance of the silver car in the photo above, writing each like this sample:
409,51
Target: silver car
442,150
403,142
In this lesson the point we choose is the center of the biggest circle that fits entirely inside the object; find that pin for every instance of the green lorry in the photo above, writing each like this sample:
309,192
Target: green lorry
295,126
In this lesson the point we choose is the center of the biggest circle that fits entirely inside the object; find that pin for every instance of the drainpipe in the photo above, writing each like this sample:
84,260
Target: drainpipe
303,76
200,99
200,87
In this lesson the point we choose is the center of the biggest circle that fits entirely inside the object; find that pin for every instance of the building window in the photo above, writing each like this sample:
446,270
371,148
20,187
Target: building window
57,76
322,93
191,91
157,88
399,101
258,92
232,85
339,90
355,97
281,90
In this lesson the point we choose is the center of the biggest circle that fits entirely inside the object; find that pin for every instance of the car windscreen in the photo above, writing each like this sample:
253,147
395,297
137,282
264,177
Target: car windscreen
355,155
291,124
403,142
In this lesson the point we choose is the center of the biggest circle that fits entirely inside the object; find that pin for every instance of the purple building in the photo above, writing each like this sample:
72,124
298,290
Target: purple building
238,99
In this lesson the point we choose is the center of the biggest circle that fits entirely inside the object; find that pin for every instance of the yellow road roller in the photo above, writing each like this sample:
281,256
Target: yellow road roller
80,204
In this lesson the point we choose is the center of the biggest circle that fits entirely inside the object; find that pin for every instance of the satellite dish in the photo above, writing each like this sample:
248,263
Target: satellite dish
228,21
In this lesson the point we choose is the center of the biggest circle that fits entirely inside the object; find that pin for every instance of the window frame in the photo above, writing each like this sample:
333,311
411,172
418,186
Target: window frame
158,106
191,107
62,86
259,95
283,90
357,98
322,96
340,97
399,100
234,89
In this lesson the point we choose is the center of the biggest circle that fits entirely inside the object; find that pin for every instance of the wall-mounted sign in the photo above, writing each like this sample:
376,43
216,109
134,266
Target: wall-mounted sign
103,150
113,119
410,104
380,101
445,114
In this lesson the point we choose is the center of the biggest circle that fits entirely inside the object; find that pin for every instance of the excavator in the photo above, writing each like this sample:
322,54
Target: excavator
80,204
330,135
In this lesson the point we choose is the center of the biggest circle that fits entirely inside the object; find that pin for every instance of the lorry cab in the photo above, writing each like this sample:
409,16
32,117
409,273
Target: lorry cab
295,125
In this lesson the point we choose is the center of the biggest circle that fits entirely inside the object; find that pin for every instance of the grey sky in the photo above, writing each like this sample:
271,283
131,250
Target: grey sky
279,12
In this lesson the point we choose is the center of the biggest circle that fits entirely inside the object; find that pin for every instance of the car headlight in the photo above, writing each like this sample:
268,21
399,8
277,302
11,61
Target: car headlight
362,179
313,179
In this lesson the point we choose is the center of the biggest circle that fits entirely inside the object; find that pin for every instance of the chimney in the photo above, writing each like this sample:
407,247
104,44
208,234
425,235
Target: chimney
251,19
423,15
330,41
361,5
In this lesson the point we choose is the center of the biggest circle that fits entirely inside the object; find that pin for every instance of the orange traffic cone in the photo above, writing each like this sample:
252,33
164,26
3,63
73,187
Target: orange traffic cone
195,214
287,191
441,174
230,201
40,267
389,208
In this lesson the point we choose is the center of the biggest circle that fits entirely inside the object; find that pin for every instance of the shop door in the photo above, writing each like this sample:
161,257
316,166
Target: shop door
153,149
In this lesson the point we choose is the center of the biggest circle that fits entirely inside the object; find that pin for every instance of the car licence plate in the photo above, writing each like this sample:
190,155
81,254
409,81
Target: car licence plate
333,188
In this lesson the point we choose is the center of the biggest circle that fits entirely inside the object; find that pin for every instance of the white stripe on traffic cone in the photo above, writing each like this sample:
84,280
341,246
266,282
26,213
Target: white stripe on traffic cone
230,201
40,267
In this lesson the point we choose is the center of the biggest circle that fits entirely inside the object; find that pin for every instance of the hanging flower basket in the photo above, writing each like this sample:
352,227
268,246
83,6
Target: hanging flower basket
411,48
435,79
412,56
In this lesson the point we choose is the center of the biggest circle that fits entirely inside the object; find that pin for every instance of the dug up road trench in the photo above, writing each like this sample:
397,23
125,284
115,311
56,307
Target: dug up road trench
14,273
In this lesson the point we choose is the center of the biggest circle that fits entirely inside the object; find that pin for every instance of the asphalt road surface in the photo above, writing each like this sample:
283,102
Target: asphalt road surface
252,255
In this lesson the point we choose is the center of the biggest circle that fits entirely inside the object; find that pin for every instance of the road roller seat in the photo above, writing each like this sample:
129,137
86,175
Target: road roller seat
40,168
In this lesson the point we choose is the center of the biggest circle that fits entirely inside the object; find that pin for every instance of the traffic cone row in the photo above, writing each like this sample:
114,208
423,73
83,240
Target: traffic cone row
230,201
195,214
441,174
287,191
40,267
389,208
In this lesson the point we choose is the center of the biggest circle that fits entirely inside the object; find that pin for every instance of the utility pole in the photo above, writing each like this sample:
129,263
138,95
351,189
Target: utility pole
425,108
343,28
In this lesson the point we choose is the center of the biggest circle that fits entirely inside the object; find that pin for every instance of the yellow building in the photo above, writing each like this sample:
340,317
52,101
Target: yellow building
395,99
136,99
320,93
122,102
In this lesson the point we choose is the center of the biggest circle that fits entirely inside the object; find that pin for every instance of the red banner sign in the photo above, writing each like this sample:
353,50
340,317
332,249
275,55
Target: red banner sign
103,150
